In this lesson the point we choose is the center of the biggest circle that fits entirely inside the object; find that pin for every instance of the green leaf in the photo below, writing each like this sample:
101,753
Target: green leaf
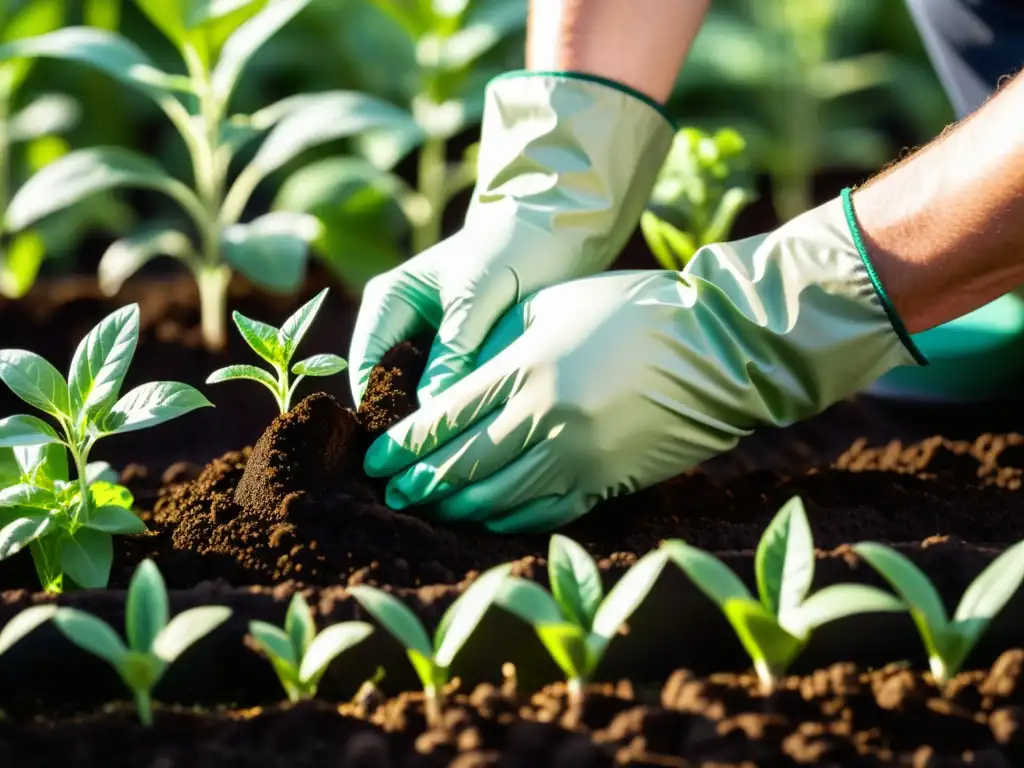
101,361
108,494
17,535
249,38
294,328
47,114
20,263
35,381
298,624
320,365
271,250
186,628
762,637
836,602
575,580
713,577
87,172
731,203
126,256
106,51
22,430
274,642
328,645
91,634
86,557
784,563
395,617
529,601
567,644
465,614
908,581
26,19
22,624
251,372
146,609
102,472
151,404
43,464
429,673
178,18
115,520
626,596
988,594
261,338
336,115
28,495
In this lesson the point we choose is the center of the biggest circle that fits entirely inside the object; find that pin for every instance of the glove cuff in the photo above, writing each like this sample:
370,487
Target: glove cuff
883,297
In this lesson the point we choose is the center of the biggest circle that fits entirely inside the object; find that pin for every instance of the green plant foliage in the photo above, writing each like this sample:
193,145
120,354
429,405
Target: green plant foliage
576,621
154,639
24,623
700,190
775,626
68,525
216,42
432,659
947,641
277,347
299,655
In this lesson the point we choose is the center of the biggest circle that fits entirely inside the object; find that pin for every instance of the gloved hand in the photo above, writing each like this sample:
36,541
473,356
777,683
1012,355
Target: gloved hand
602,386
566,166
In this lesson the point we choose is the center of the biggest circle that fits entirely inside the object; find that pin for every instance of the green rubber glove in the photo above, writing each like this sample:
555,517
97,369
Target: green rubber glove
602,386
566,165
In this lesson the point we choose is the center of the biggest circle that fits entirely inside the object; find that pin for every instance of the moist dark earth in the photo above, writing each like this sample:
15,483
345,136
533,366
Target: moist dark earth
236,498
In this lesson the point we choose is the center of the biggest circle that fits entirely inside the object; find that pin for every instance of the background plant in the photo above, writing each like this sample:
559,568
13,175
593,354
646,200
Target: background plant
432,660
23,624
216,41
776,626
70,524
576,622
277,347
154,639
948,642
700,190
299,655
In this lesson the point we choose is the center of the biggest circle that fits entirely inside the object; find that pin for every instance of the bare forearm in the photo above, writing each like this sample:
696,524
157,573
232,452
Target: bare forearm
639,43
945,228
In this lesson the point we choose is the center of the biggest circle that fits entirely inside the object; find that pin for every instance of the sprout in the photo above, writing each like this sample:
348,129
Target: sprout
432,660
298,654
775,629
948,643
153,641
24,623
576,622
277,347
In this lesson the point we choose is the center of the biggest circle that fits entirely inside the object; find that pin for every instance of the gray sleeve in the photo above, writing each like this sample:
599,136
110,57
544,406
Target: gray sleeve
972,44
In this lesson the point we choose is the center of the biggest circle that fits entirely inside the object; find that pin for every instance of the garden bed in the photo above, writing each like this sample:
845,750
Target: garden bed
246,528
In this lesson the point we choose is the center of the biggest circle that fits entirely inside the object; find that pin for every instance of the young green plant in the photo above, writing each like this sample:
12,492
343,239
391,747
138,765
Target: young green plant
948,642
24,623
66,524
576,621
775,628
699,192
216,42
277,346
432,660
298,654
154,639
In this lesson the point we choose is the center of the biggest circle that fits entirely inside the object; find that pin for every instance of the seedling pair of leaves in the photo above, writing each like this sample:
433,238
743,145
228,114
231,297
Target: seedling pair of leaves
948,642
776,626
432,660
299,655
576,621
154,639
277,347
68,525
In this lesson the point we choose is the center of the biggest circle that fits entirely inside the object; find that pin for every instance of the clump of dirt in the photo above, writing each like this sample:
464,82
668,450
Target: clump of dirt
391,389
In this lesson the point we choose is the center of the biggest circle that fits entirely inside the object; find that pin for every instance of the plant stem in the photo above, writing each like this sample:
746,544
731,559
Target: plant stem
576,694
5,146
212,281
84,511
144,705
434,705
431,179
767,675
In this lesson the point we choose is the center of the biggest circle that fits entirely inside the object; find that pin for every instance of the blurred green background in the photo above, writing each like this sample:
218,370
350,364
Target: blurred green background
819,89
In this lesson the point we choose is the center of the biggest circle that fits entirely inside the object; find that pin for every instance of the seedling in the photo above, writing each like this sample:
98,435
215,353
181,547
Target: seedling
216,42
776,628
154,642
575,621
277,347
698,195
24,623
432,660
298,654
948,643
69,525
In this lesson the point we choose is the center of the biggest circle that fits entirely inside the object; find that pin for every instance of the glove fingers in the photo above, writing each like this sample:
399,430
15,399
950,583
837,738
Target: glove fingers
541,515
468,319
